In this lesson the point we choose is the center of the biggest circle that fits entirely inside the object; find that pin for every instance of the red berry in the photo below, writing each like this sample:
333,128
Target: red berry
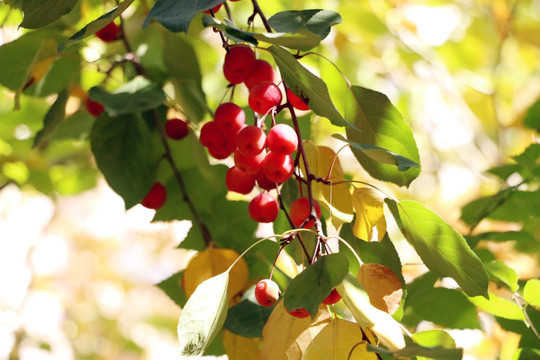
239,62
299,313
211,136
238,181
156,197
251,140
267,292
249,164
263,208
332,298
215,9
278,168
282,139
219,152
264,96
300,210
230,118
295,101
262,71
176,129
263,182
108,33
94,108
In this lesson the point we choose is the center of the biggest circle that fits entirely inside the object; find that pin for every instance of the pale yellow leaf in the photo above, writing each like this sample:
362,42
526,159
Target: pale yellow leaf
299,346
340,339
282,330
382,285
369,208
239,347
211,262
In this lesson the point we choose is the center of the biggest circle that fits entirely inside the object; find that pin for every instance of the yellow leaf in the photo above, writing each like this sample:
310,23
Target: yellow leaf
340,339
337,198
211,262
282,331
369,209
299,346
239,347
382,285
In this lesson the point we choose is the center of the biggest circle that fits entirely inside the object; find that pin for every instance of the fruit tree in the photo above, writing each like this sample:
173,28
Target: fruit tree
272,131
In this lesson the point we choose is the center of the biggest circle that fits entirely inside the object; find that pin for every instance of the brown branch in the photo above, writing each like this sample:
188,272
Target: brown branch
257,11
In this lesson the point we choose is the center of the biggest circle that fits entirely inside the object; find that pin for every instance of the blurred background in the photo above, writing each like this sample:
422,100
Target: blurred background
77,271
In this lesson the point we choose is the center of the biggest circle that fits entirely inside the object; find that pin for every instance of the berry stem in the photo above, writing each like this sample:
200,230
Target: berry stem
257,11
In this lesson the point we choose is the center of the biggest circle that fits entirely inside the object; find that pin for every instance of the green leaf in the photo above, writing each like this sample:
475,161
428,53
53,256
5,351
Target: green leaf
519,236
413,349
38,13
185,75
316,21
433,338
531,292
173,288
77,126
379,124
53,119
532,117
176,15
446,307
441,248
123,148
137,95
203,315
309,288
499,307
502,273
99,23
306,85
247,318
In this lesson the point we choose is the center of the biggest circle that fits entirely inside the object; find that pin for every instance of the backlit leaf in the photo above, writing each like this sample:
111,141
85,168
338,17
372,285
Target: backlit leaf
382,285
299,346
176,15
382,142
498,306
440,247
387,330
531,292
340,339
309,288
38,13
415,349
239,347
317,21
502,273
203,315
369,208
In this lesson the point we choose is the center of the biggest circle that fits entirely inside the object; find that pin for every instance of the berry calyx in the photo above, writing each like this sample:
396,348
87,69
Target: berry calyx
264,96
282,139
156,197
299,313
295,101
262,71
239,62
278,168
300,210
251,140
263,208
94,108
238,181
230,118
176,129
332,298
267,292
249,164
108,33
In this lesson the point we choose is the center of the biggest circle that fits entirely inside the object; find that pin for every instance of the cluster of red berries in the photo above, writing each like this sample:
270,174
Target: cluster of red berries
267,293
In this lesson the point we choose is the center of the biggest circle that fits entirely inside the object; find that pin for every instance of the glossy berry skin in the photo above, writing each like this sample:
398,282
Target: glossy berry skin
263,208
299,313
282,139
210,135
300,210
230,118
249,164
176,129
215,9
267,292
262,71
278,168
264,96
238,181
295,101
239,62
263,182
251,140
109,33
156,197
94,108
332,298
